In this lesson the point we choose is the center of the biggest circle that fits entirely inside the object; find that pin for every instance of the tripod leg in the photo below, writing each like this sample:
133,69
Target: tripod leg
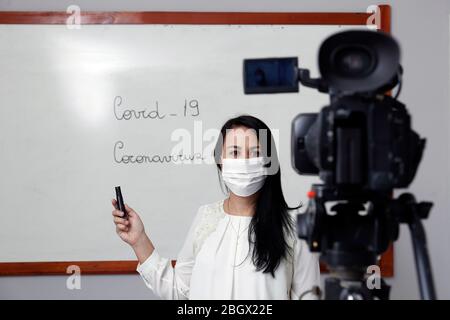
422,259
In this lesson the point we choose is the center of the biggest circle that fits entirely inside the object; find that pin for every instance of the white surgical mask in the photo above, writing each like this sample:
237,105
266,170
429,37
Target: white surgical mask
244,177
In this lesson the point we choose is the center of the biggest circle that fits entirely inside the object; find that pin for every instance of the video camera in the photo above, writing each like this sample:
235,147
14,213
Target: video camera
362,147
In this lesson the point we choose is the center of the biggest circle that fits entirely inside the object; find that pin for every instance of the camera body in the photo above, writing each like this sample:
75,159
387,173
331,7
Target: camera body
358,142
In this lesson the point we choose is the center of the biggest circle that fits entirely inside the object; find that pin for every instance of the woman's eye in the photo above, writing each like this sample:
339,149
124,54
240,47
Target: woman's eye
254,154
234,153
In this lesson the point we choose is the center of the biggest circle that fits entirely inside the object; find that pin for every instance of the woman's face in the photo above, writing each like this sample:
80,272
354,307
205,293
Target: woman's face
241,143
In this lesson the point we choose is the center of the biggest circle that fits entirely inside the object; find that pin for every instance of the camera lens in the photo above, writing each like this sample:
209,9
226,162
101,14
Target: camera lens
353,61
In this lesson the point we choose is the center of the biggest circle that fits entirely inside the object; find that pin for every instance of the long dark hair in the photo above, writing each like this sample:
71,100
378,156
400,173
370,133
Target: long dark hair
271,222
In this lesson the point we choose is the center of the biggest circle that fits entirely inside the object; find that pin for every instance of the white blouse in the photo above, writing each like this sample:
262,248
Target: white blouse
215,263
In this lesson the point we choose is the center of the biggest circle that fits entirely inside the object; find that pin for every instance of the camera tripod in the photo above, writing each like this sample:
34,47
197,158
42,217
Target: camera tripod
350,238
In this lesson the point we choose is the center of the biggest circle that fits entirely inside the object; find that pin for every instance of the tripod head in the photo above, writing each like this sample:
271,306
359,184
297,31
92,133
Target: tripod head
358,227
352,232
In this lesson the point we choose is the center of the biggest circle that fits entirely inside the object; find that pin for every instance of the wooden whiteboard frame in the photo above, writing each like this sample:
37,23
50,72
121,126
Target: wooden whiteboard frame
196,18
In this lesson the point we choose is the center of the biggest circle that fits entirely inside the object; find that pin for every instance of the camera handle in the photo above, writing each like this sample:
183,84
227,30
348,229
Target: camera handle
316,83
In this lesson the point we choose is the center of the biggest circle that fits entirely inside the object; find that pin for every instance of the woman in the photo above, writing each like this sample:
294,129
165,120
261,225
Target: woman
242,247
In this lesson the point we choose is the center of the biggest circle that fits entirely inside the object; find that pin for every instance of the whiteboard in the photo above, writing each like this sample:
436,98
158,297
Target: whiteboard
73,106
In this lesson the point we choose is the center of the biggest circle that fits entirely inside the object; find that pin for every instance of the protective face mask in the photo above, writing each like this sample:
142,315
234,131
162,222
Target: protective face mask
244,177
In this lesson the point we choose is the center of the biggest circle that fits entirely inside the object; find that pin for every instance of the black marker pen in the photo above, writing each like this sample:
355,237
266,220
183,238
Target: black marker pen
120,203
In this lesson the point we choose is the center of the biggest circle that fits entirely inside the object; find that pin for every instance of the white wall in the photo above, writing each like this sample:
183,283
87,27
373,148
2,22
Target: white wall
423,29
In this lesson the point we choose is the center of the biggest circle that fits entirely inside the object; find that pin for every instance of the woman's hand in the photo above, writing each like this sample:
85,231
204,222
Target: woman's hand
131,230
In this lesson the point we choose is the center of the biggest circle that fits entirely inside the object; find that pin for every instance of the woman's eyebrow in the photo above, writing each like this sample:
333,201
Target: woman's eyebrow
233,147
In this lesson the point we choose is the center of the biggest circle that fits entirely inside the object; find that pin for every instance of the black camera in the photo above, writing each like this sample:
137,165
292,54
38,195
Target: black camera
362,147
